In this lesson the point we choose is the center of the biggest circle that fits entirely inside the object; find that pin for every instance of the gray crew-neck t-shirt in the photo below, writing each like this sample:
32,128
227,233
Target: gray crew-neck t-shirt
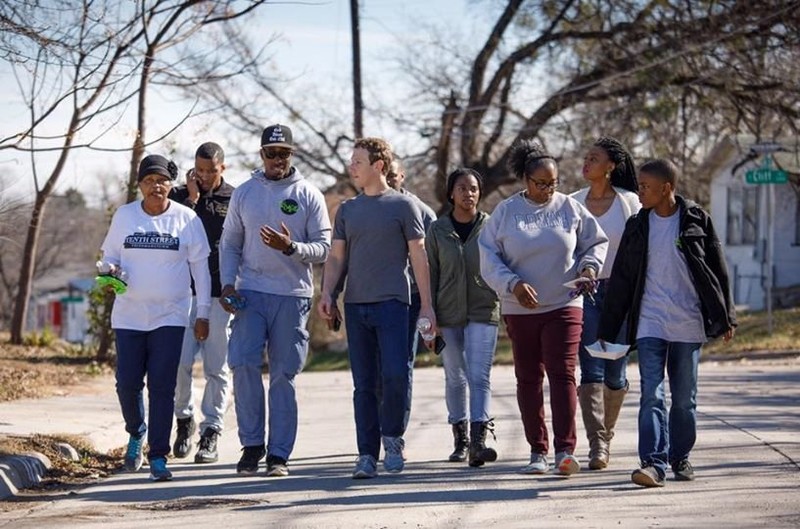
670,304
376,230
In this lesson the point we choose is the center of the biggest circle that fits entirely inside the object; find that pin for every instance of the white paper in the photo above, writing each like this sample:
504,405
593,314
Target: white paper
575,283
612,351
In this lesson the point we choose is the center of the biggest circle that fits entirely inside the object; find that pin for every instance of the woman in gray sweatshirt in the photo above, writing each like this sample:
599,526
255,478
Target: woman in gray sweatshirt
536,241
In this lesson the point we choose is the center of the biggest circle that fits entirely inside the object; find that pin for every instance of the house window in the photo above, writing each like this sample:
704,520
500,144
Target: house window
742,215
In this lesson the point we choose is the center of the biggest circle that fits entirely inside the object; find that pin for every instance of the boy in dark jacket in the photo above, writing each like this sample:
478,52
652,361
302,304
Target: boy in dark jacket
670,283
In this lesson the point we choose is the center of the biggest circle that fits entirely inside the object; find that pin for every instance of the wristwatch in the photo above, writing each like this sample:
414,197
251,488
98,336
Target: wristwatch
291,249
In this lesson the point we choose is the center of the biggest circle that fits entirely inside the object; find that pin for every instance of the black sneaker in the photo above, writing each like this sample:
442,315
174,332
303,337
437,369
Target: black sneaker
683,470
276,467
647,476
183,439
251,455
207,447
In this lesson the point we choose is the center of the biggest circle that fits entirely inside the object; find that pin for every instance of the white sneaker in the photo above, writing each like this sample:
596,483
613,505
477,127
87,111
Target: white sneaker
566,464
538,465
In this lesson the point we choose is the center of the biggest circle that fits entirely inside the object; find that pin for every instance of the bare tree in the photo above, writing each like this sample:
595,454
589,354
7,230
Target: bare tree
564,70
179,27
85,62
321,134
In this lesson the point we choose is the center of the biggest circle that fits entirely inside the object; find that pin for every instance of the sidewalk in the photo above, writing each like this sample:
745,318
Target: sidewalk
746,458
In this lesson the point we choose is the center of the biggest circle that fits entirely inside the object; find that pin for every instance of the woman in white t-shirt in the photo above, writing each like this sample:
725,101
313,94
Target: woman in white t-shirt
157,243
611,197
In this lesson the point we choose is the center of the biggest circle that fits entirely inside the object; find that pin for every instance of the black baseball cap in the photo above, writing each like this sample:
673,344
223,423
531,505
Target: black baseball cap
277,136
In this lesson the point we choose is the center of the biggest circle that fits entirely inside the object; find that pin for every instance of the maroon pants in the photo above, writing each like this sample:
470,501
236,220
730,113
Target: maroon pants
547,343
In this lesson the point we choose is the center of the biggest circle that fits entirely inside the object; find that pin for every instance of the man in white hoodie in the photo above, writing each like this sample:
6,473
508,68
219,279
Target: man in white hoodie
277,226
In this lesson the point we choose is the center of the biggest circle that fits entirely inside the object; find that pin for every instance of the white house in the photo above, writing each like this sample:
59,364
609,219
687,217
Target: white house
740,213
63,310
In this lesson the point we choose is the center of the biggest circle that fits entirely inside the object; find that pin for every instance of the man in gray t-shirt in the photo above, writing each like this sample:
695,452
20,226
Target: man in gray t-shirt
376,234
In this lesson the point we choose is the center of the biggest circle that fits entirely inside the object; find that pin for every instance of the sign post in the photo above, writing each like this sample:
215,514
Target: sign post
767,174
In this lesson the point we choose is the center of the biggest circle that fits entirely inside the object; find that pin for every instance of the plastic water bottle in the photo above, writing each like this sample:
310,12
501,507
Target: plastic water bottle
103,267
237,302
424,327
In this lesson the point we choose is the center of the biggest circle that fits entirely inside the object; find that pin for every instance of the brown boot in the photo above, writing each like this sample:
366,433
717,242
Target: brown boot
612,401
460,442
591,399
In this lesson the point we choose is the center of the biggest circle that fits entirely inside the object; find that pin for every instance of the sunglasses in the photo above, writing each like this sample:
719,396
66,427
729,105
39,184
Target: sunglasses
283,154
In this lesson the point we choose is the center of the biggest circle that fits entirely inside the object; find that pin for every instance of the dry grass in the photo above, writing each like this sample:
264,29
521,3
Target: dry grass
752,334
65,474
42,371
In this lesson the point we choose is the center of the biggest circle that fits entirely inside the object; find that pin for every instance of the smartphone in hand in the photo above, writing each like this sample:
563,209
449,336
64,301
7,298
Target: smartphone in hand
438,344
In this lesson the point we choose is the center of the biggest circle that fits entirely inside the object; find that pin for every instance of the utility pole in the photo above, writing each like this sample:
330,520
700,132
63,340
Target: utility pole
358,103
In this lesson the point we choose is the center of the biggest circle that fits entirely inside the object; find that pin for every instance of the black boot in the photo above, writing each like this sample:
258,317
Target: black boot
460,442
479,453
183,438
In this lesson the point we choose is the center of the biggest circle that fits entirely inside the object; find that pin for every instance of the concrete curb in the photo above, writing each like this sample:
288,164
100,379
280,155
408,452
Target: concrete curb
21,471
752,356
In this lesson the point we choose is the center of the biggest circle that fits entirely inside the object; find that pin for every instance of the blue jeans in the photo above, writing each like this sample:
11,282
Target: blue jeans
377,338
279,323
599,370
154,354
467,358
666,439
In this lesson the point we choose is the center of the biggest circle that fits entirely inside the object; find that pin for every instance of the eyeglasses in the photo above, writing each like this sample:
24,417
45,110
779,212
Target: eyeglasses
282,154
544,186
163,182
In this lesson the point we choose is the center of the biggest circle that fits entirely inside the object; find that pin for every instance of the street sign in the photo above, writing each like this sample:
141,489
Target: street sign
766,176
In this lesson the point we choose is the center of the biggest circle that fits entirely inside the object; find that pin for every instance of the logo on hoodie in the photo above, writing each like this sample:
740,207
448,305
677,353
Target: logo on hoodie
290,206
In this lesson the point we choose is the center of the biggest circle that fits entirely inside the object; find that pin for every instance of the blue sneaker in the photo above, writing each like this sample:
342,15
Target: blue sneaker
393,460
133,456
366,467
158,469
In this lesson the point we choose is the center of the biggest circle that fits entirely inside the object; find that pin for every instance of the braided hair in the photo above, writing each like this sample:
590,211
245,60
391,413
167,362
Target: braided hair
526,156
624,173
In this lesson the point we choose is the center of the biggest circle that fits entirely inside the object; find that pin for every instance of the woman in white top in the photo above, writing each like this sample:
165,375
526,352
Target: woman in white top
611,197
157,243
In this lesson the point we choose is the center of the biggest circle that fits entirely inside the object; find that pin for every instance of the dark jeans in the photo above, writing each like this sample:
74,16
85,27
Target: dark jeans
667,438
377,335
154,354
547,343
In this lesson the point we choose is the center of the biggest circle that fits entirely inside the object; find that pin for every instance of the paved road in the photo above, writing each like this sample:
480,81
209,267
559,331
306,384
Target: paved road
746,458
